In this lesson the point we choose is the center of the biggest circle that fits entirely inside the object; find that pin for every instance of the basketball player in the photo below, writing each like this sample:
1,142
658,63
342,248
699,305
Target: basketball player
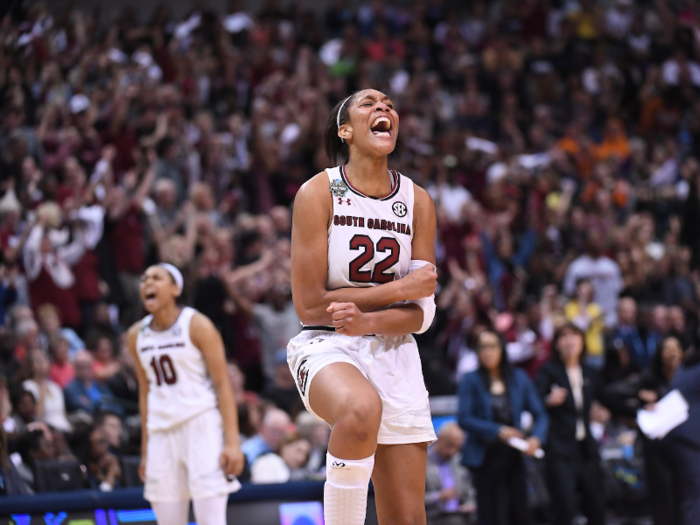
190,446
363,280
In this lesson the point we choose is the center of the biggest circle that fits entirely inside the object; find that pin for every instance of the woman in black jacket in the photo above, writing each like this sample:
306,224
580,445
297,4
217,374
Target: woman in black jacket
572,463
655,383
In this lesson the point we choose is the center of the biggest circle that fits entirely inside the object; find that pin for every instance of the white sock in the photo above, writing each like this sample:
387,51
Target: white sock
345,491
210,511
171,512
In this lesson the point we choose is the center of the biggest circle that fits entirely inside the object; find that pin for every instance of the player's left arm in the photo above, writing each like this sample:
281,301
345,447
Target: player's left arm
206,337
397,320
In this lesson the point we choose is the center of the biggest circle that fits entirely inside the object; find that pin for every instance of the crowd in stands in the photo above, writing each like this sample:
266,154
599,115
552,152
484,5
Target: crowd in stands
558,138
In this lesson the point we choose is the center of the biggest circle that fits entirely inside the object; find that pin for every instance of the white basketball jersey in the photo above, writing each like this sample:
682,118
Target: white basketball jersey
179,383
369,239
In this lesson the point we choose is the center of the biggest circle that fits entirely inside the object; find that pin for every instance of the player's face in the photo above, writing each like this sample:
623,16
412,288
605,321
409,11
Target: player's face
374,123
157,288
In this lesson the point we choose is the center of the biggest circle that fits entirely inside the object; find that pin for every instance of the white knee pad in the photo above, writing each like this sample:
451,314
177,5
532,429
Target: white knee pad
349,473
345,491
171,512
210,511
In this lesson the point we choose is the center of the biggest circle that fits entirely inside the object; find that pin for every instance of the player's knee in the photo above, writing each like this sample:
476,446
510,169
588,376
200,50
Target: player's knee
361,418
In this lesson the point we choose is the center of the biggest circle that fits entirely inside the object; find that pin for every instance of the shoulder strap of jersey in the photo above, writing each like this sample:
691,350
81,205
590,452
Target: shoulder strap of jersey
408,189
333,173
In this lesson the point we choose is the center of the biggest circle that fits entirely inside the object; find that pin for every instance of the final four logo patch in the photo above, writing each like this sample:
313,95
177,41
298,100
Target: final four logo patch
338,188
399,209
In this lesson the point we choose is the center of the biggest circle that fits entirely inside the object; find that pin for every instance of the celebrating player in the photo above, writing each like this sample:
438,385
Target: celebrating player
190,449
363,280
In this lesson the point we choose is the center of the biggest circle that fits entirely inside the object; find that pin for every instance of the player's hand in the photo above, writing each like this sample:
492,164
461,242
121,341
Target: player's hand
232,460
348,319
419,284
142,469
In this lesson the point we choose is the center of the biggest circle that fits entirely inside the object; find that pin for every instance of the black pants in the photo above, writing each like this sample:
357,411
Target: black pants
684,460
501,488
568,477
664,491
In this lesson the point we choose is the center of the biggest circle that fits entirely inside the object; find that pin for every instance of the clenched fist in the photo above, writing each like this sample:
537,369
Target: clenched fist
419,284
348,319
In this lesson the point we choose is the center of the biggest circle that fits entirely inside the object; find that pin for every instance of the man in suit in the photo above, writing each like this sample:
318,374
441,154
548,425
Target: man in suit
449,494
680,449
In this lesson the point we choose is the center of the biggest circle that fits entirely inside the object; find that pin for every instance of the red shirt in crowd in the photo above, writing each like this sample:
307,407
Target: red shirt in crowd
126,238
61,374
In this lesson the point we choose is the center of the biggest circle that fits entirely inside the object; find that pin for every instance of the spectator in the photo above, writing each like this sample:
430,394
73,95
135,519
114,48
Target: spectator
50,406
11,483
104,366
274,427
603,272
654,384
679,449
50,323
9,364
286,465
111,425
276,319
124,384
27,333
34,445
25,407
124,217
48,265
572,462
628,352
84,393
103,470
491,402
317,432
450,497
61,371
588,316
283,391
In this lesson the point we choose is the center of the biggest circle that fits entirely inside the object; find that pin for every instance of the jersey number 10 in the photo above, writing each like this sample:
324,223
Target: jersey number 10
164,370
385,244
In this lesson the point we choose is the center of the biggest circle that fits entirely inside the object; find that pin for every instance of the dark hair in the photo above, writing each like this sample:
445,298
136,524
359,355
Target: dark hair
582,280
504,365
21,394
334,145
29,442
568,327
656,366
102,415
164,145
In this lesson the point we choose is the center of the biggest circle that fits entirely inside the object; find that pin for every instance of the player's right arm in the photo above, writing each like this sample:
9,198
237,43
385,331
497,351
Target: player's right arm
312,216
131,338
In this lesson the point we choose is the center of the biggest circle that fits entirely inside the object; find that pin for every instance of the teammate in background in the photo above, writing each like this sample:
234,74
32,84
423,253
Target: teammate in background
363,280
190,448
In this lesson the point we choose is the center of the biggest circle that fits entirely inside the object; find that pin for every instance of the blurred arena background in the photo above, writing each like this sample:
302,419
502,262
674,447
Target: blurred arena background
558,138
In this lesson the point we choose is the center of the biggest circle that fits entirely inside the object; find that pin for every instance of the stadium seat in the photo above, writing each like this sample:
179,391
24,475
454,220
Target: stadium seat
130,471
58,476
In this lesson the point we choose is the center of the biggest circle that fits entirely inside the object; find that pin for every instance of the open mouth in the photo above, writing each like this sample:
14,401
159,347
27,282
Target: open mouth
150,296
381,127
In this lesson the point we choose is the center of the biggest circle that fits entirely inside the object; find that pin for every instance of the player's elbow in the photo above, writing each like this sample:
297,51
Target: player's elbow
311,312
308,316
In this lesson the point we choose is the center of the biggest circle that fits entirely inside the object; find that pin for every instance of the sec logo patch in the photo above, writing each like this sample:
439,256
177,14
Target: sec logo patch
400,209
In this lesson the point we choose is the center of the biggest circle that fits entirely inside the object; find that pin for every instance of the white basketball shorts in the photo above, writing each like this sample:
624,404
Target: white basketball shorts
391,364
183,463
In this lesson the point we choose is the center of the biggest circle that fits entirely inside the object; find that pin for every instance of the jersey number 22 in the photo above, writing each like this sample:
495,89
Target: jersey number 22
378,275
